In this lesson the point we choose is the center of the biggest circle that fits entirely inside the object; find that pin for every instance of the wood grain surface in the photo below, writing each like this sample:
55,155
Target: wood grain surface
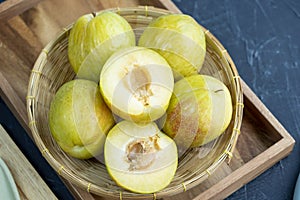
29,183
263,141
11,8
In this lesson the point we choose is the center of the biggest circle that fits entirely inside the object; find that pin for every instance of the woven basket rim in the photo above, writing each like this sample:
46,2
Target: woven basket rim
73,178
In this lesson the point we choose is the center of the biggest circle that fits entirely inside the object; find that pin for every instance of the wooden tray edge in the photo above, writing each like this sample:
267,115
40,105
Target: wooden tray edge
257,165
11,8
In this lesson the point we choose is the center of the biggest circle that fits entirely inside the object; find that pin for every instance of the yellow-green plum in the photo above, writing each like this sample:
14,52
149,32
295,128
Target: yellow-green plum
137,84
180,40
79,119
140,158
94,38
200,110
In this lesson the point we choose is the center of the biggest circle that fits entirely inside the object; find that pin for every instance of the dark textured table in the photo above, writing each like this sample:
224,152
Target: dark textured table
263,38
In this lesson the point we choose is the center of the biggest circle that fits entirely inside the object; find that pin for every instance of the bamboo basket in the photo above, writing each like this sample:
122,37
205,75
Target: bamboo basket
52,69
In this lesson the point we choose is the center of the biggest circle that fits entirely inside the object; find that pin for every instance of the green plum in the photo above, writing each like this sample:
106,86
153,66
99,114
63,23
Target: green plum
137,84
79,119
200,110
180,40
140,158
94,38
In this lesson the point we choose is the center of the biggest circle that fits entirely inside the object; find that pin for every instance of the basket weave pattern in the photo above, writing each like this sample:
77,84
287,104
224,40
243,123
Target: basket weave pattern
52,69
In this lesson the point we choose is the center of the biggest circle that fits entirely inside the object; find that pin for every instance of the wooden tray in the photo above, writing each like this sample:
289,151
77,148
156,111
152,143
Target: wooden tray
263,140
25,176
10,8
